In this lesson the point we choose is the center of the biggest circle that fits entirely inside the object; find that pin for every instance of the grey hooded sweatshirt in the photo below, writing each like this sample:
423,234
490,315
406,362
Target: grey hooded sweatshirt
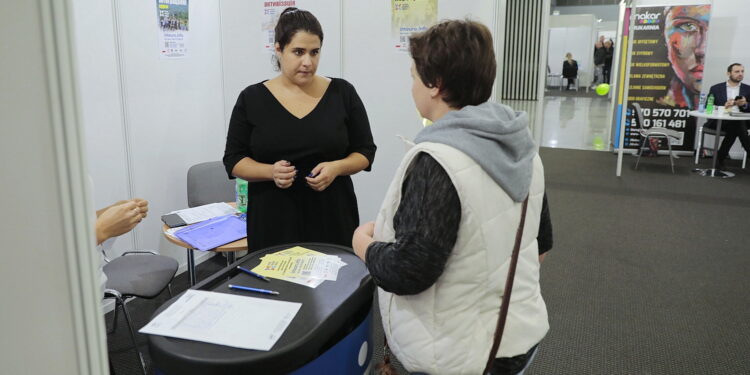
496,137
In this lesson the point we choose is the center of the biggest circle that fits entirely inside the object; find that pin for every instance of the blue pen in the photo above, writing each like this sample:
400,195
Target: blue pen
251,273
249,289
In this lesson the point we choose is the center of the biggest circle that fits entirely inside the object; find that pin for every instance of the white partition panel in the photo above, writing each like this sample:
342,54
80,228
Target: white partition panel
575,34
101,105
381,76
173,109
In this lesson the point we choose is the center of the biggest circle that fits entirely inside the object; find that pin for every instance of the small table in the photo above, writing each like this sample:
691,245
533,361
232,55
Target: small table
331,333
230,249
719,117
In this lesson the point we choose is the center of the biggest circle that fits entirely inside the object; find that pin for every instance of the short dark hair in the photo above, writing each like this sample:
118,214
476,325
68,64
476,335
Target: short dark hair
729,69
457,56
293,20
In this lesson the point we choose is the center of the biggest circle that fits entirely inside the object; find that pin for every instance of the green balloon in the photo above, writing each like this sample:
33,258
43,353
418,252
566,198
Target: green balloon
602,89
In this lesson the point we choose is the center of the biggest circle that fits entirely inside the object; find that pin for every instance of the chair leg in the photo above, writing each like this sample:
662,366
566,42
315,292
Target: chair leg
671,161
114,320
744,160
121,302
640,151
169,289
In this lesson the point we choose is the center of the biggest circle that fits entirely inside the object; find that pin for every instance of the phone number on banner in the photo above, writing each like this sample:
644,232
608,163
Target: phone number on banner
668,117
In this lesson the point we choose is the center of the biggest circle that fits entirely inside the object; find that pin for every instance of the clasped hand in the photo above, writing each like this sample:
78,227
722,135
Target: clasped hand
120,218
320,178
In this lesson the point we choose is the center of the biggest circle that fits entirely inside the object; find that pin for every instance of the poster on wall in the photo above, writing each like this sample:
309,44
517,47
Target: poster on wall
408,17
271,12
173,28
666,70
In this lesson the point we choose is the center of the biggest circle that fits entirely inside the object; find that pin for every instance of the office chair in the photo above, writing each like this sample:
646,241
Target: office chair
702,131
208,183
143,274
654,132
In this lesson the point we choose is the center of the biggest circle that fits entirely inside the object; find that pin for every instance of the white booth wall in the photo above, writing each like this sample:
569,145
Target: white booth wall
148,119
575,34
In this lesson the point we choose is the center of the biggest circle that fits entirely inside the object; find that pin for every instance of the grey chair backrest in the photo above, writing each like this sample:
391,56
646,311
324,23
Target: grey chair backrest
208,183
639,114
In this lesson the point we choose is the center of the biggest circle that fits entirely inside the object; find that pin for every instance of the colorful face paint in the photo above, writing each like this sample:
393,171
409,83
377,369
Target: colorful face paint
685,30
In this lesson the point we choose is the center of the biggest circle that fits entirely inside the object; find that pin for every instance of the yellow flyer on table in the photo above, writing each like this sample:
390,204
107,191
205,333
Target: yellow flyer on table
298,251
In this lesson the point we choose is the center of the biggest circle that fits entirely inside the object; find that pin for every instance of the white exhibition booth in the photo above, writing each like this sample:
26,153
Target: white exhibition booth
575,33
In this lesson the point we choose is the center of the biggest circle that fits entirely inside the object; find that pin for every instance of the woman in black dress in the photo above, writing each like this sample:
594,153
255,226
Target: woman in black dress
297,138
570,69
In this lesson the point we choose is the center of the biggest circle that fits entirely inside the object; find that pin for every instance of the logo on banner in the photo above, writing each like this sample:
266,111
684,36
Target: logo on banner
646,18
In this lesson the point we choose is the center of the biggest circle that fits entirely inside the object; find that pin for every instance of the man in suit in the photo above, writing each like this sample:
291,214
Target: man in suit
730,94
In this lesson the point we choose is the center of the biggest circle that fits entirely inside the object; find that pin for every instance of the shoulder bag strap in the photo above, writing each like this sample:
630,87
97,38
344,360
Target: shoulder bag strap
508,288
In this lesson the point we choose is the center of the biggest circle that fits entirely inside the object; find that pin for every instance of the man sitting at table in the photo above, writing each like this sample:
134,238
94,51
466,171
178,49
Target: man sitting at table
730,94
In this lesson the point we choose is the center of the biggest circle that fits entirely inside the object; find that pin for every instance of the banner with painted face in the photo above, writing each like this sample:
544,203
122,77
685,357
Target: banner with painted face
666,70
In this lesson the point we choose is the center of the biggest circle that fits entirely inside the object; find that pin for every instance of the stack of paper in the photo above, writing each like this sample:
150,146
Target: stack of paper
194,215
300,266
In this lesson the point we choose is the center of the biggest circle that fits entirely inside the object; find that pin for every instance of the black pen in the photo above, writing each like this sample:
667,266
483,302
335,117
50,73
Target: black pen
251,273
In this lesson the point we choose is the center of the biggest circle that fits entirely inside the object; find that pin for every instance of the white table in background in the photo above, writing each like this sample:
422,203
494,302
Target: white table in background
719,117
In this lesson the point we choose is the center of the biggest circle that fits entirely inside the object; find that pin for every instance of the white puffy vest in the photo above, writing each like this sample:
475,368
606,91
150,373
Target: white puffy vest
449,328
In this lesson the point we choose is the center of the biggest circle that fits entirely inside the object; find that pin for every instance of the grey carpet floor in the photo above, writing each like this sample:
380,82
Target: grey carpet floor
648,274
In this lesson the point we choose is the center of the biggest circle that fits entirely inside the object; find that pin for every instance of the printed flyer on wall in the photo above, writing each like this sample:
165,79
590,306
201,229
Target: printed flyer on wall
410,16
666,71
271,12
173,28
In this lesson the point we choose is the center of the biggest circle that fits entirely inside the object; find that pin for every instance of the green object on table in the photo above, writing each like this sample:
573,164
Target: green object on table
710,104
241,195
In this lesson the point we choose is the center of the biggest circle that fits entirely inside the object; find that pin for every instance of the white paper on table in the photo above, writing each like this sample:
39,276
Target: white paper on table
306,281
224,319
205,212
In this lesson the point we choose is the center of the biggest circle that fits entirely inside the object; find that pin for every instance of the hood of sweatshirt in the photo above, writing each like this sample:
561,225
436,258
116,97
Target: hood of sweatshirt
496,137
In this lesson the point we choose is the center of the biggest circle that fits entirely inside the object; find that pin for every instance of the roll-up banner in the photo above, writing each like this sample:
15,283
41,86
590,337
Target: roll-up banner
666,70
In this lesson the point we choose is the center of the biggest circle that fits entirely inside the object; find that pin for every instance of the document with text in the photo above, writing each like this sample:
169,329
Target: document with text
225,319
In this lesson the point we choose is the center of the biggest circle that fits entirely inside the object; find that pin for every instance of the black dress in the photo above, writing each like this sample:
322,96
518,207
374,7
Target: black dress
262,129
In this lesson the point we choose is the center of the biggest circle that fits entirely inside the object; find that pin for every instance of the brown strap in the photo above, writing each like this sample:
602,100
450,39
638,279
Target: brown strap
508,288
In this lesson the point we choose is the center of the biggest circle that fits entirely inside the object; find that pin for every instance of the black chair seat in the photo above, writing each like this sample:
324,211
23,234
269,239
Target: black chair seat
140,275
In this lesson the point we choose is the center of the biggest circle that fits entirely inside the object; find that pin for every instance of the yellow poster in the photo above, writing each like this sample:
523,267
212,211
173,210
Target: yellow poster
410,16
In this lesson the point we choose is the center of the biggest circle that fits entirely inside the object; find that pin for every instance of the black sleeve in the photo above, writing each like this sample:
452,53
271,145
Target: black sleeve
426,225
544,238
360,135
238,136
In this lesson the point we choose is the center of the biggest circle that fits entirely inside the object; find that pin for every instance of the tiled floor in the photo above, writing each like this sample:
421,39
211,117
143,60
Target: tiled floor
581,123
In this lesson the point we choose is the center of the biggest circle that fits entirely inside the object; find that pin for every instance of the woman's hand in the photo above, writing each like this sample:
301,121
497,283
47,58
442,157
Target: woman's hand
362,239
323,175
283,174
120,219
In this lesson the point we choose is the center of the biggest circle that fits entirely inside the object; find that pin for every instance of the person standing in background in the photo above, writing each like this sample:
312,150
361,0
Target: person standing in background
296,139
599,55
609,52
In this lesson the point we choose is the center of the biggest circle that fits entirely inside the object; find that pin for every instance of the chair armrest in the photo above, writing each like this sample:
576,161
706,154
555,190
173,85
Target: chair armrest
111,293
140,252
